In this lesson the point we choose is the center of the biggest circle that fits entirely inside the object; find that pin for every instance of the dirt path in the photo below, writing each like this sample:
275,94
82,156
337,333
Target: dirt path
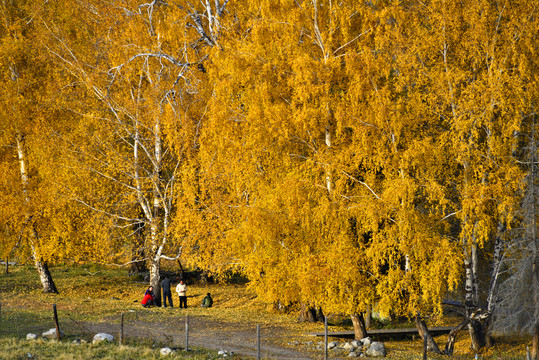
208,333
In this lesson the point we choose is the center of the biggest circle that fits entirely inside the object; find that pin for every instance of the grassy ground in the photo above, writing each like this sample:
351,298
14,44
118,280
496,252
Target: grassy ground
97,294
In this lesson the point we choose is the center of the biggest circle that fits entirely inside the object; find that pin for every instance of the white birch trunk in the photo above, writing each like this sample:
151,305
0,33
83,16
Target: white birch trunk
41,266
328,145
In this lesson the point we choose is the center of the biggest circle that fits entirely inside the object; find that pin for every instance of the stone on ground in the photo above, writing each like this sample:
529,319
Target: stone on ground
103,337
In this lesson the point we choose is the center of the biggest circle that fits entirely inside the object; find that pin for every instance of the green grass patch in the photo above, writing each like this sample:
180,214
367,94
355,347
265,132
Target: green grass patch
16,349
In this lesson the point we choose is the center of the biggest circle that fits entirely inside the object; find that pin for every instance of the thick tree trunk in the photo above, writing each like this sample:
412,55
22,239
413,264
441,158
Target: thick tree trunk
320,315
155,277
45,277
477,328
360,331
424,333
307,313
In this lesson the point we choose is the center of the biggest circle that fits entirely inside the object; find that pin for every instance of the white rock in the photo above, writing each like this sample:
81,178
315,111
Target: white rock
354,354
348,346
332,345
51,334
31,336
356,343
366,341
166,351
376,349
103,337
221,352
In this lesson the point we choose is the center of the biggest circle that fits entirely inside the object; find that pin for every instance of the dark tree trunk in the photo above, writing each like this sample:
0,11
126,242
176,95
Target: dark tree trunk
424,333
478,328
449,346
489,341
477,335
307,313
138,264
360,331
320,315
181,270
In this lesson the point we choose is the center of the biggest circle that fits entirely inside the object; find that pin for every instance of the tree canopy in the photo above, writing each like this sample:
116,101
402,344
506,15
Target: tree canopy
344,155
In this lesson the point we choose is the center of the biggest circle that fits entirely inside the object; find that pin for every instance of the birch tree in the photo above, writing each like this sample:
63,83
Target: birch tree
141,134
462,56
327,164
24,80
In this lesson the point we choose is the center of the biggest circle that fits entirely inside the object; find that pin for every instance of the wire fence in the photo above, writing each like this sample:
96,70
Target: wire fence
129,327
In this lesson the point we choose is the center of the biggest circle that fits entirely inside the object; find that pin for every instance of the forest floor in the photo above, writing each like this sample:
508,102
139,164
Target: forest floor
206,332
93,299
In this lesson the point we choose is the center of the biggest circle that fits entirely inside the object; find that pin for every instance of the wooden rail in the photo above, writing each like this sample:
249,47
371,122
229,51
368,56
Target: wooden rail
434,331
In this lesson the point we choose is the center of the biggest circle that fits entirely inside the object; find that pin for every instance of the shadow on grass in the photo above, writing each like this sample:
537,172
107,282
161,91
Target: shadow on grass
19,324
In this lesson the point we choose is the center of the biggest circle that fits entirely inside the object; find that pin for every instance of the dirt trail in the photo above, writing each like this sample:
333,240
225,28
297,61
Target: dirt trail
212,334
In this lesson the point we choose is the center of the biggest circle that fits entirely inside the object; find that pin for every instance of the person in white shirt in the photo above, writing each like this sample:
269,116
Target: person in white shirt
181,289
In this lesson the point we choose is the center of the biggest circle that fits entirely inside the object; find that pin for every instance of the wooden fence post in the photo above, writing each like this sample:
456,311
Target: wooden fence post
425,346
56,321
325,337
121,339
258,355
187,333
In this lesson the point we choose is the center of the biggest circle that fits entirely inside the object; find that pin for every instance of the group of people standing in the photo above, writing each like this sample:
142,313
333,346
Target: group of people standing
149,296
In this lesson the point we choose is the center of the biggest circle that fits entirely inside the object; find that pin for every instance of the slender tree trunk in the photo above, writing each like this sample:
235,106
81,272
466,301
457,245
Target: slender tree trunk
368,317
43,270
360,331
449,346
424,333
41,266
475,326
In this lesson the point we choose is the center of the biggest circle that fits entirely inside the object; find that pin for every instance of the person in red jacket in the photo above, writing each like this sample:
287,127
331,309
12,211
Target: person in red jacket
149,298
